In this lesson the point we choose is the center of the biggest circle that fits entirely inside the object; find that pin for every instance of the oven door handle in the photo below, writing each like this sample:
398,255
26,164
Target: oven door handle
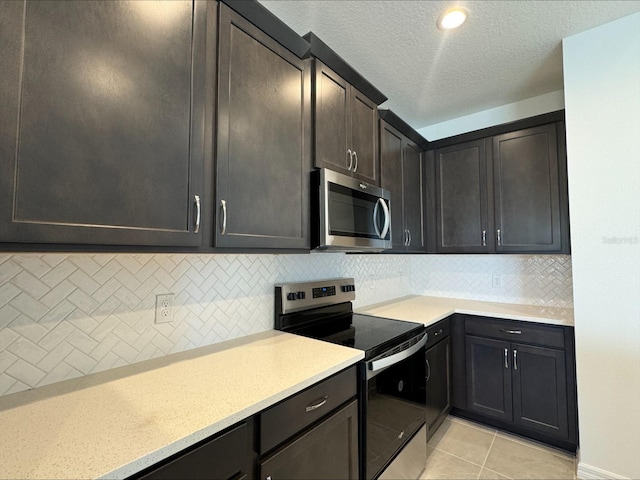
378,365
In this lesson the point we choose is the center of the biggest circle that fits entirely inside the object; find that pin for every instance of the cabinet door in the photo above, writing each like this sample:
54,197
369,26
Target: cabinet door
364,137
438,384
489,377
391,178
332,120
527,208
101,126
412,173
329,451
226,456
263,162
540,389
462,216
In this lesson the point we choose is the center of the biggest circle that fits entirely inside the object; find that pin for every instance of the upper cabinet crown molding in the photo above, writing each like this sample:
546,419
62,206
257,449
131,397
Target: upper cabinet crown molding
335,62
268,23
403,127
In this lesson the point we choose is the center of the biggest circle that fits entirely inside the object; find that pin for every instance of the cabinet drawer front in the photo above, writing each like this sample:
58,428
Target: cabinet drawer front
516,331
226,456
294,414
328,450
438,331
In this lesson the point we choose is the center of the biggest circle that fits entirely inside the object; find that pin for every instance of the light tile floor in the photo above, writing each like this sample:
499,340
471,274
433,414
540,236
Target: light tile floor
461,449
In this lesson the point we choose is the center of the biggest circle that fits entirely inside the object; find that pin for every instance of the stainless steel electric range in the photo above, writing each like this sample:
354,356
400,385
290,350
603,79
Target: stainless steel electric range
392,376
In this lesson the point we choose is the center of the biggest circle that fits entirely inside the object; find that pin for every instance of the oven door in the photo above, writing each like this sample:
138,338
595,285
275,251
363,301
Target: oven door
394,408
354,215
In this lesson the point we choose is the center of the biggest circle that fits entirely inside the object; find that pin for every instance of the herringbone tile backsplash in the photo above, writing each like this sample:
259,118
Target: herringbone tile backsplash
67,315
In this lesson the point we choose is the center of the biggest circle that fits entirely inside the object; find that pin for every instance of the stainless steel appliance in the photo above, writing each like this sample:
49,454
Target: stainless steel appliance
354,215
392,376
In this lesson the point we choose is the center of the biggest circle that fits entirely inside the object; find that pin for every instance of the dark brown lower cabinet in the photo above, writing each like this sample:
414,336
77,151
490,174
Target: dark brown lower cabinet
328,451
438,384
227,456
525,385
488,377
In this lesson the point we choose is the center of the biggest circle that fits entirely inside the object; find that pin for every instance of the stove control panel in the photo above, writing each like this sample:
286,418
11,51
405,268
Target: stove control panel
291,297
324,291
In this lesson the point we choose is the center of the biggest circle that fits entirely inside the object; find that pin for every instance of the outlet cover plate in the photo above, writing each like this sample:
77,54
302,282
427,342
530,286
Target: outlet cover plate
164,307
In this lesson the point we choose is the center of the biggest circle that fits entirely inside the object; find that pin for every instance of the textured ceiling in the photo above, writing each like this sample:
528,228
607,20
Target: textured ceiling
506,52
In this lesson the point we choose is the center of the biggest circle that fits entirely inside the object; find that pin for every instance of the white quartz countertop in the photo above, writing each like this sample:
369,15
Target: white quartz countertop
116,423
429,310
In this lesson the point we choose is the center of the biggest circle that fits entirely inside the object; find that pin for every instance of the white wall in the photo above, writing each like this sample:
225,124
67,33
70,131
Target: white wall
602,98
549,102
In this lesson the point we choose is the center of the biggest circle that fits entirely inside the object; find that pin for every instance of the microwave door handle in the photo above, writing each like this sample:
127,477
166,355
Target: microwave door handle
387,218
375,218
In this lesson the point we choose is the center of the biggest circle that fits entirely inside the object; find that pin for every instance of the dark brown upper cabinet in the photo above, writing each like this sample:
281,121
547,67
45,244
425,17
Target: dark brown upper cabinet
102,125
345,115
505,193
463,223
527,190
263,161
402,173
346,124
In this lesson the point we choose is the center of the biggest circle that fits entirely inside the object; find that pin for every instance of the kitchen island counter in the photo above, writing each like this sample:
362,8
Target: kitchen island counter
118,422
428,310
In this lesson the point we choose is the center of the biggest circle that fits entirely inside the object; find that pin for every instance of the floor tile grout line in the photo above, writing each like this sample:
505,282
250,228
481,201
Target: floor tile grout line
456,456
487,455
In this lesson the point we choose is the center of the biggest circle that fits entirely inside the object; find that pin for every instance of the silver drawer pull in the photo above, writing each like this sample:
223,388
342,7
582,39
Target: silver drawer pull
511,332
439,332
319,402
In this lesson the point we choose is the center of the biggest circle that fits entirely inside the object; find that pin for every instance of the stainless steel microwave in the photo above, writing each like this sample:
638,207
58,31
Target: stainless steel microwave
351,215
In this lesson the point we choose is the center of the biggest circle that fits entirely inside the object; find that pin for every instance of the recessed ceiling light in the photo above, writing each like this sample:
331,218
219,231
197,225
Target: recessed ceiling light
452,18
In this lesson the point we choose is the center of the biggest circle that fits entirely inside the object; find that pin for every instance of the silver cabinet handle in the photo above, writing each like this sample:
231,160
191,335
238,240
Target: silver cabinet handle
428,370
499,235
387,218
406,237
439,332
484,238
196,199
350,155
515,359
506,358
317,404
355,165
511,332
408,230
223,207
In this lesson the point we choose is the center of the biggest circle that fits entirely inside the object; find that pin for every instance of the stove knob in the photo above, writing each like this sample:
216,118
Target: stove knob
301,295
345,288
352,288
291,296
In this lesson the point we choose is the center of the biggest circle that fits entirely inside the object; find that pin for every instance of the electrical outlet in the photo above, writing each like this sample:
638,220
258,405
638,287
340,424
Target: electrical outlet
497,281
164,307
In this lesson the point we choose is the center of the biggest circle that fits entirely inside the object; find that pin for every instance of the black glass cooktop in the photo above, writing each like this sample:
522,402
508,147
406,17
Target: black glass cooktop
373,335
